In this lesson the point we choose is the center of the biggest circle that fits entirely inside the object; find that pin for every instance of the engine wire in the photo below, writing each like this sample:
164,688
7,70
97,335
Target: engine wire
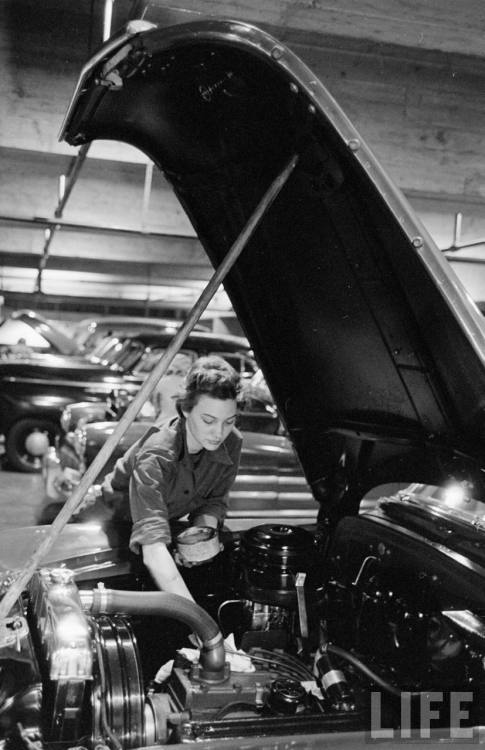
292,661
284,670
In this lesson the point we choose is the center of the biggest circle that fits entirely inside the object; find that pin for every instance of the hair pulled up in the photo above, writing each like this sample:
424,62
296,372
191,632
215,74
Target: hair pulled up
209,376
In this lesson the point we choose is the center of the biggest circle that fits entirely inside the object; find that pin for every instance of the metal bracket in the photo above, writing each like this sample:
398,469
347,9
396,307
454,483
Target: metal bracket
12,631
300,597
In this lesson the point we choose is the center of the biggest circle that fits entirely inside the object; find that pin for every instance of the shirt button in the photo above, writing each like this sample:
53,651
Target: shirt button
186,492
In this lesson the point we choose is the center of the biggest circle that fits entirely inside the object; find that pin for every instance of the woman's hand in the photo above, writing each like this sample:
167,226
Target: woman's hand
183,563
89,499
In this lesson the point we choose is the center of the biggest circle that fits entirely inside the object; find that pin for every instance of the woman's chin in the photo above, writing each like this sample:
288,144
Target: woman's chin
212,446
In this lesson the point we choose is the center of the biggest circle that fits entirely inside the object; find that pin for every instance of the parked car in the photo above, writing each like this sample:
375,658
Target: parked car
137,353
375,356
87,333
42,336
34,393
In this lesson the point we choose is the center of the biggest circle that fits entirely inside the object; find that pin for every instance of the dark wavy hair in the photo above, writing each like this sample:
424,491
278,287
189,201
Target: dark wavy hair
209,376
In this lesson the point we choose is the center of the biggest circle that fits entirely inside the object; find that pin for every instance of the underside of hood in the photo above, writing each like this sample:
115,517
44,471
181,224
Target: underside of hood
373,353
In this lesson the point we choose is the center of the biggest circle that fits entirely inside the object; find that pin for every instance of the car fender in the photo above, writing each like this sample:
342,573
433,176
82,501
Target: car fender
45,406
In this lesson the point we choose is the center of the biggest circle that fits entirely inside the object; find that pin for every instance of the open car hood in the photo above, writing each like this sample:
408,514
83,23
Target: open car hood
373,352
59,342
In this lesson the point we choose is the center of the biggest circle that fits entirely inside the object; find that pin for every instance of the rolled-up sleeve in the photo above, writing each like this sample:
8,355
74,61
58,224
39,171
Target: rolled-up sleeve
148,505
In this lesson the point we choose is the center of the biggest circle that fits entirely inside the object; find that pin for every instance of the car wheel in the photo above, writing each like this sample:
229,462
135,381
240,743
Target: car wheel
26,443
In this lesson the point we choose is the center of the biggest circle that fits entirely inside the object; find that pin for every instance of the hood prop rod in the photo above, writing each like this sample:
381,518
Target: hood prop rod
148,386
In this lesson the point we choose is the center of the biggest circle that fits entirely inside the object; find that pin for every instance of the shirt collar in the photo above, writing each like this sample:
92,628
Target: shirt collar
221,455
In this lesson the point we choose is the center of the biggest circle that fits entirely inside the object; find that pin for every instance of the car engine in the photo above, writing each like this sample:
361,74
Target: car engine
318,631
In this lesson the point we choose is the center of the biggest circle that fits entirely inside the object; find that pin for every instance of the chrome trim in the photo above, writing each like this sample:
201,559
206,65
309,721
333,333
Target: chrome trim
283,513
86,385
267,496
445,551
439,510
63,630
95,567
467,621
272,479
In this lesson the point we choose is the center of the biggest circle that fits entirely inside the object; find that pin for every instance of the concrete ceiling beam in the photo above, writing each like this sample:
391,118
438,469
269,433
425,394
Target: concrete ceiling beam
137,273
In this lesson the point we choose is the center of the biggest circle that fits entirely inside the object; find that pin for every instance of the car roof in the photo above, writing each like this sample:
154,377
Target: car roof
215,341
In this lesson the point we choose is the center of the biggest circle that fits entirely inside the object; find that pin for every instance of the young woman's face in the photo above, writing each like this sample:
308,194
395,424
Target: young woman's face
171,385
209,423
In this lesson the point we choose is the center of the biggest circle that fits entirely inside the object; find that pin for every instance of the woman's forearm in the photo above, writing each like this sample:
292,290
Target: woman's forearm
163,570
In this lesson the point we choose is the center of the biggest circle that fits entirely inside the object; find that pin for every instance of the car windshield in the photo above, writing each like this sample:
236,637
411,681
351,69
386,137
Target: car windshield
117,353
89,333
95,335
151,356
242,363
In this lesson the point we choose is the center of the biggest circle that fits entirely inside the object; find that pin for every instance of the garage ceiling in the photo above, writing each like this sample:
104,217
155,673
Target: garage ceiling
411,77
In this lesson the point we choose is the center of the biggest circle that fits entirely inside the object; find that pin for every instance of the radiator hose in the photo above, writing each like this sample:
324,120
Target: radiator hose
112,601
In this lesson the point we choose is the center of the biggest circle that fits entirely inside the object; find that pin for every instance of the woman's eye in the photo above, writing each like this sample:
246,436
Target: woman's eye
207,421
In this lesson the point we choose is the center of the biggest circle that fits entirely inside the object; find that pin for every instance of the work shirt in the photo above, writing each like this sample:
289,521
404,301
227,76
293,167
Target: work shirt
167,482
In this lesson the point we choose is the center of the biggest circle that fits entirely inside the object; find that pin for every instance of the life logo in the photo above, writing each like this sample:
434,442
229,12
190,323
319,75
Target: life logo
452,716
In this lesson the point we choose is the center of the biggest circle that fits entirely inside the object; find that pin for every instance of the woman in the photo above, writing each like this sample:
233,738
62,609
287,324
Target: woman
184,466
162,403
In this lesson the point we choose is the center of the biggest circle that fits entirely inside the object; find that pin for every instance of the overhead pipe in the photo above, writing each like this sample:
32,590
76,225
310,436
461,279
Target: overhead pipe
66,184
457,245
70,179
143,394
147,190
457,230
95,229
470,261
107,19
48,237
